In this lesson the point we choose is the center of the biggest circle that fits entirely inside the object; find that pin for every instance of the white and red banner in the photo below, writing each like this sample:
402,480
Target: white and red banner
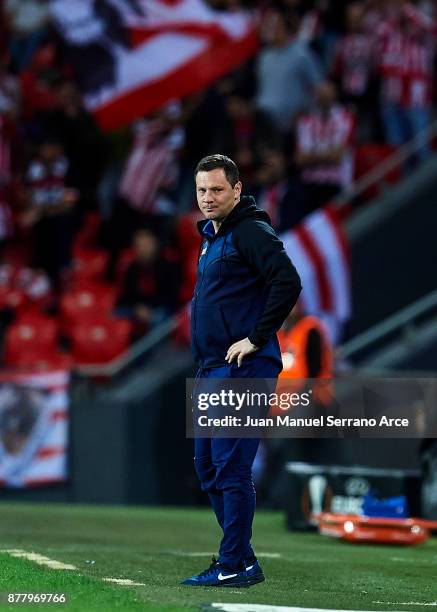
151,162
133,56
318,248
33,429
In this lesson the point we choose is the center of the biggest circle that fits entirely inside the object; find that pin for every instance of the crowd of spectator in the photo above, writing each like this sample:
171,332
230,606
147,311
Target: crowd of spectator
324,81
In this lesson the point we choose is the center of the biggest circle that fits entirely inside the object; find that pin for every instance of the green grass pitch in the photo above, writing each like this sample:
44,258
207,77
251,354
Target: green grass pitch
150,546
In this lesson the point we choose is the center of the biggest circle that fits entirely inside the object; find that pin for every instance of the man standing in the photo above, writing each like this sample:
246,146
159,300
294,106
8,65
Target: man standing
287,72
324,147
246,287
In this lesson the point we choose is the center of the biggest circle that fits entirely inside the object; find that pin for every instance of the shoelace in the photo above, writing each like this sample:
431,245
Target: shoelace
209,570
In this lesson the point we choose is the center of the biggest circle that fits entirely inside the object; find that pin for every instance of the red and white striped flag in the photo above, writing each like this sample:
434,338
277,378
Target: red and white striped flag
318,248
33,429
148,163
132,56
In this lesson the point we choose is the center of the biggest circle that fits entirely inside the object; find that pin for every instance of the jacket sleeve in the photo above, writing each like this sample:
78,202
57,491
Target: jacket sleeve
258,244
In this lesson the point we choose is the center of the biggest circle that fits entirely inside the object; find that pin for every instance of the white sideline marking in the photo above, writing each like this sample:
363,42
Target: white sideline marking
228,607
123,581
58,565
180,553
39,559
406,603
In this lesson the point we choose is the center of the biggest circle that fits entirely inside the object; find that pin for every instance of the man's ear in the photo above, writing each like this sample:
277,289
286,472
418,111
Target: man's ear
237,190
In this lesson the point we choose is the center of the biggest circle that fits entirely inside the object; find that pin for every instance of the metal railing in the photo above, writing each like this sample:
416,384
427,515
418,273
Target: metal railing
402,320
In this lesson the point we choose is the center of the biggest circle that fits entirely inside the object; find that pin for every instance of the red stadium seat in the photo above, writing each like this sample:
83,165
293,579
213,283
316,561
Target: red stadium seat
126,257
42,360
189,242
187,231
86,238
100,341
89,302
28,335
11,298
89,265
368,157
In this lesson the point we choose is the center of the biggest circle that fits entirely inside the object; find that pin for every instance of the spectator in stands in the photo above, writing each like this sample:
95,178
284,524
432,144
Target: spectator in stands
28,21
49,210
10,93
279,194
324,140
245,126
419,75
83,142
374,13
406,51
246,131
353,68
38,86
151,283
287,72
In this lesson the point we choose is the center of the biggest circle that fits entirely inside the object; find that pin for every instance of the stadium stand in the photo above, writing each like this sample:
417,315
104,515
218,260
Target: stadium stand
88,174
75,318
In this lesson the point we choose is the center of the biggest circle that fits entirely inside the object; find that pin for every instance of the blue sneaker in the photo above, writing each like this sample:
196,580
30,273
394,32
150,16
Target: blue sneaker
216,575
253,573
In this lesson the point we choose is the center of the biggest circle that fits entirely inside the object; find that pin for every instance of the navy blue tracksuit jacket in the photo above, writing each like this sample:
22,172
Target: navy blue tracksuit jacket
246,286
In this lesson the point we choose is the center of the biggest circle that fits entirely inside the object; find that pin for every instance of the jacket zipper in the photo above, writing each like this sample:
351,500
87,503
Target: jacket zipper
195,303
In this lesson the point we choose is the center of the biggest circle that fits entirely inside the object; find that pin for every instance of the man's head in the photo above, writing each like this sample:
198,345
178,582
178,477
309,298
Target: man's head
218,187
326,95
146,245
50,149
273,167
282,27
354,17
69,96
239,107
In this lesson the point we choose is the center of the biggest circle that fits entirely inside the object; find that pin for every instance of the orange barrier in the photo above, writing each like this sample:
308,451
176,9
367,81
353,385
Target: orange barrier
362,529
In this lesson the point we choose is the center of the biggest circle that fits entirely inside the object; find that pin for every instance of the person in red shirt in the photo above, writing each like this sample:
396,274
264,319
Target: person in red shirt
50,208
406,68
150,285
353,69
324,140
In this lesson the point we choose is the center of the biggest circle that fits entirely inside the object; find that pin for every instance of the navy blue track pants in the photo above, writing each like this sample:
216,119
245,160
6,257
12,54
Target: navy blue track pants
224,468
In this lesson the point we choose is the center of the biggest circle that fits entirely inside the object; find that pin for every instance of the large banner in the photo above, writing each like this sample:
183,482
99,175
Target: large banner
318,248
33,429
132,56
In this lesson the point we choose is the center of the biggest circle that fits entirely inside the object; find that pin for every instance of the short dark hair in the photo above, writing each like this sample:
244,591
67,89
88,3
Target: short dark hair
212,162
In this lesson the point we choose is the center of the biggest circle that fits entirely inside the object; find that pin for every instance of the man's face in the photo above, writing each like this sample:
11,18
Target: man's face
146,245
50,151
325,95
354,18
215,195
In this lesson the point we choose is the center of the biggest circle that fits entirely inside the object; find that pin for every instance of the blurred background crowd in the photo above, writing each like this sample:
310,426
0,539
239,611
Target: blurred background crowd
332,86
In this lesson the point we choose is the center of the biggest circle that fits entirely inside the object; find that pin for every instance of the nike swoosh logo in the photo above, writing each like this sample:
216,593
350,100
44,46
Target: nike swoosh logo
249,568
221,577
